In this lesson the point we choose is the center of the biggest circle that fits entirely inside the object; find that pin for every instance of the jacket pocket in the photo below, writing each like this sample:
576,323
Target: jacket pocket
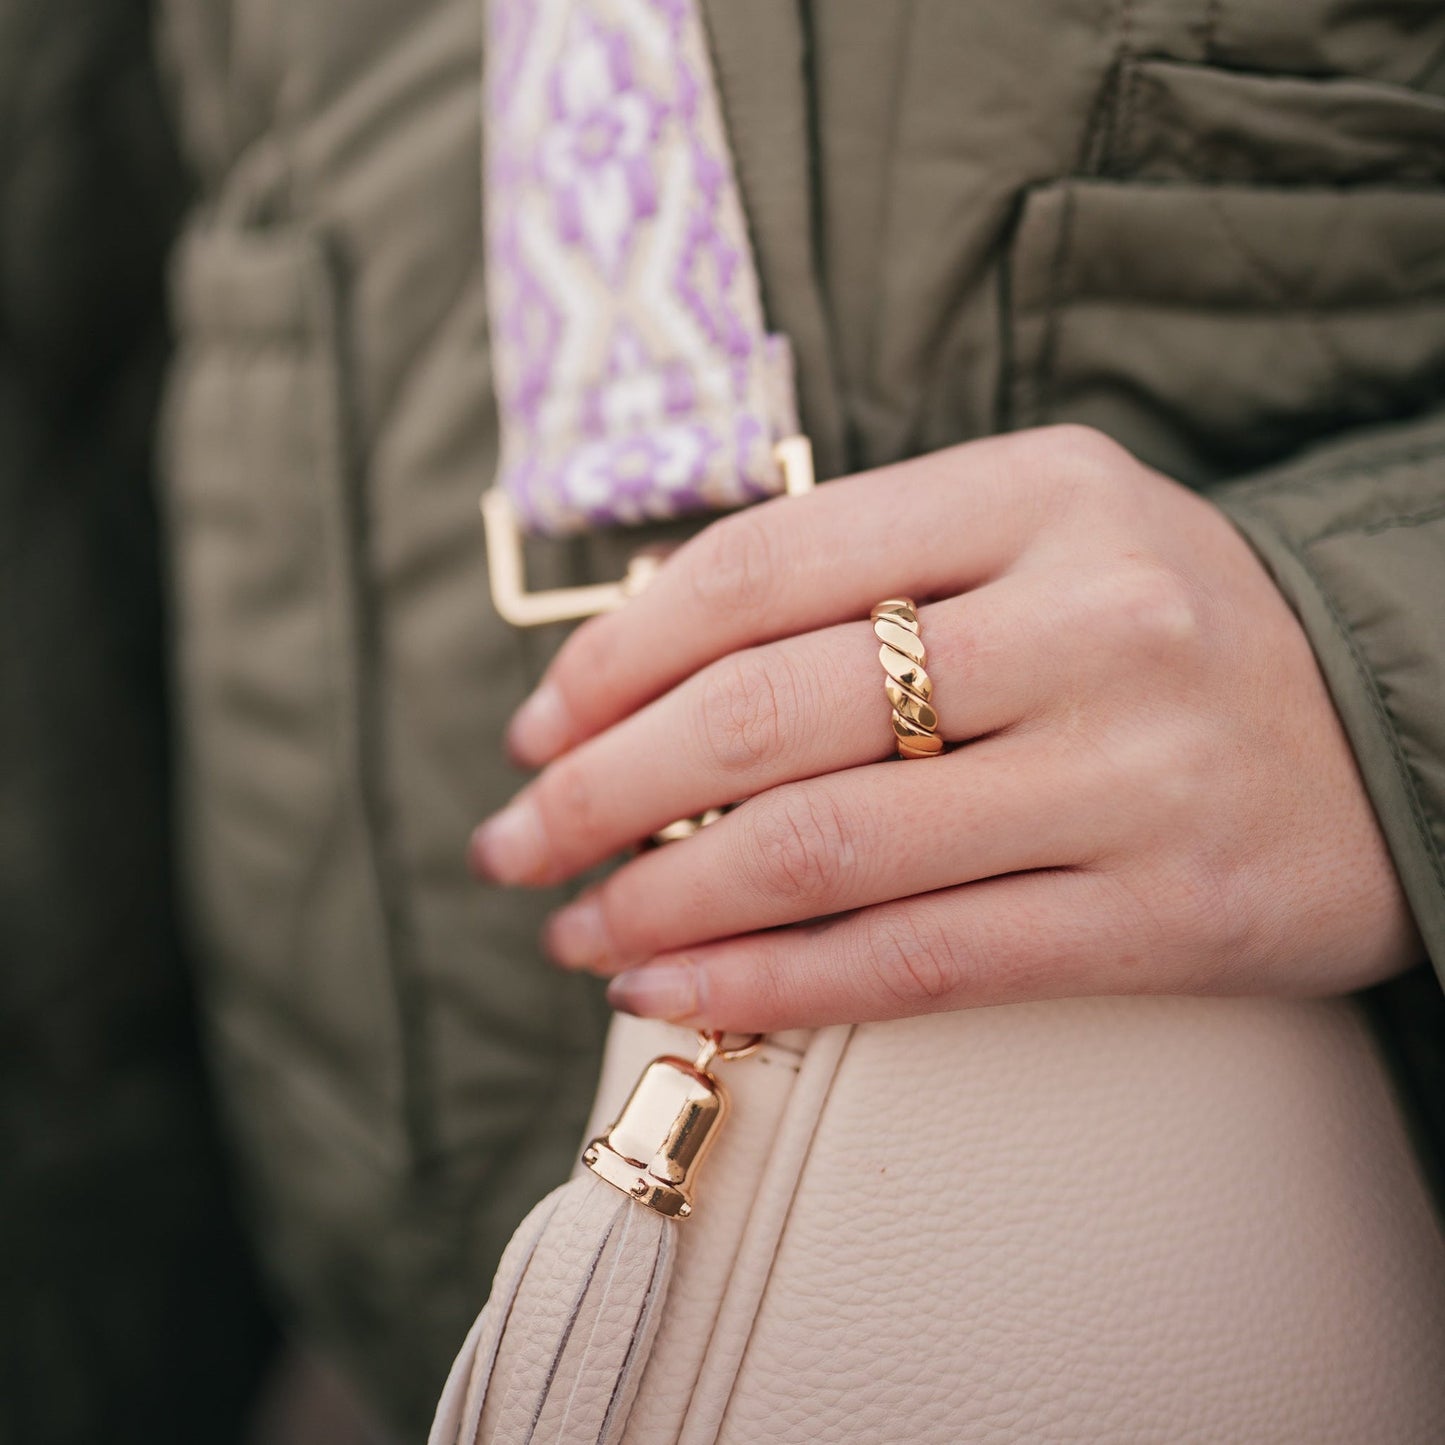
1262,265
278,854
1170,121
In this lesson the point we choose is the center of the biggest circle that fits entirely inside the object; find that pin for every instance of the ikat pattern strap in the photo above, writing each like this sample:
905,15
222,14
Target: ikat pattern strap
634,376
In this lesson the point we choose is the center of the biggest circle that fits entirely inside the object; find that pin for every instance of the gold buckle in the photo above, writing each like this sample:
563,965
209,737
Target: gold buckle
566,604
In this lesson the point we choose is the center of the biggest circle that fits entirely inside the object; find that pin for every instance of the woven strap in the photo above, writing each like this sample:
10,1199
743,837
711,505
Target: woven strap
633,374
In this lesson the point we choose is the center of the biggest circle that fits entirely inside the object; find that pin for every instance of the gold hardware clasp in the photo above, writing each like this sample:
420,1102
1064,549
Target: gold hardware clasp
670,1120
567,604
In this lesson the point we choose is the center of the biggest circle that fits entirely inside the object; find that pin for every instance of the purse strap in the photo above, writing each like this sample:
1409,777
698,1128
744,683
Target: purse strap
635,378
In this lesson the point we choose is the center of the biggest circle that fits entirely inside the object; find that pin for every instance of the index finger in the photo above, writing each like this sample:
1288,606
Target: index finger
935,525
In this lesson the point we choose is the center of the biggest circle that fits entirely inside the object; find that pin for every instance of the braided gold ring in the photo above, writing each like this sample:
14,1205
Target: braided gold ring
909,689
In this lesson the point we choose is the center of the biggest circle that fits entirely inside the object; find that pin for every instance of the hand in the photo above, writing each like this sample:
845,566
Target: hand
1155,793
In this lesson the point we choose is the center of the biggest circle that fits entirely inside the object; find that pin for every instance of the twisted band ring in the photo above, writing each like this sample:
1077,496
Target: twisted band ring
909,689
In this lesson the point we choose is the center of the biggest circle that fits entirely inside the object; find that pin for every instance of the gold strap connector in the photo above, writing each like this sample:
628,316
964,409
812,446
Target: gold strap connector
567,604
654,1149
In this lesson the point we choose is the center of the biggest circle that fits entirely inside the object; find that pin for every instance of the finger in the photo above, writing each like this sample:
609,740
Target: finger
844,841
804,706
934,525
1057,934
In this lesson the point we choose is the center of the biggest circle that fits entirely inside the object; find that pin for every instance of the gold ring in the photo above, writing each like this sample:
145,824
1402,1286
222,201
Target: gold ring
909,689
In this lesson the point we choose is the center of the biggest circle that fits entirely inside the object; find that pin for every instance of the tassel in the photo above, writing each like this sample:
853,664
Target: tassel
557,1353
559,1349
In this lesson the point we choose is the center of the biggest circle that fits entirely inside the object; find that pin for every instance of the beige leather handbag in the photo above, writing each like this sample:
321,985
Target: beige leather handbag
1106,1220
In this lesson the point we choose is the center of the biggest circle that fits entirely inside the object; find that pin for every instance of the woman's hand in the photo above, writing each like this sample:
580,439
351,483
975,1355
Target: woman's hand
1155,795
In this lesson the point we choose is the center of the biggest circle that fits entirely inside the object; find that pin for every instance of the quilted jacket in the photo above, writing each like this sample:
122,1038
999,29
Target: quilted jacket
129,1299
1212,228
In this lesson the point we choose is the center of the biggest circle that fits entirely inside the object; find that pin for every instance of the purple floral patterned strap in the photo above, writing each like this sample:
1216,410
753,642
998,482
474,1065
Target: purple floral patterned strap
633,373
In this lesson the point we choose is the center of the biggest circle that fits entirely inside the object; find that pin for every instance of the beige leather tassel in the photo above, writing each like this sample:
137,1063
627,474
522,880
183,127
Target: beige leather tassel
559,1349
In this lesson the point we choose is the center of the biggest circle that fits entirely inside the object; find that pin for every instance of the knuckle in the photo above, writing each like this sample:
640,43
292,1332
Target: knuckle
1207,909
1068,469
568,803
588,654
650,905
1201,914
1085,445
584,646
618,922
1169,782
1155,779
732,567
1075,456
802,848
913,960
772,987
1152,606
742,707
1127,904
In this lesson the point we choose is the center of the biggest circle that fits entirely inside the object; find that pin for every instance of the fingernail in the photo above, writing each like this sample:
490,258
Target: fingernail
539,728
577,935
509,847
658,991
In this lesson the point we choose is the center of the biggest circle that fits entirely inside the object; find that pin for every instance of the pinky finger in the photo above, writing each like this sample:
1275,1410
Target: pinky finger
1049,934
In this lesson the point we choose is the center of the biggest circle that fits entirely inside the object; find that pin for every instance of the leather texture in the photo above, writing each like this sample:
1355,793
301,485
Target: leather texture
559,1349
1094,1221
761,1090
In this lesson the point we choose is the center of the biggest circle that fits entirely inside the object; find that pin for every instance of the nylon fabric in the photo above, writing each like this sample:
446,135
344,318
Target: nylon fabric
904,173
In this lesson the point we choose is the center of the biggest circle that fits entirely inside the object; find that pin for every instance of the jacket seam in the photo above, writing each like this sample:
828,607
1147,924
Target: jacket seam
1384,524
1045,385
1277,288
1122,130
1258,308
1282,483
1419,815
1209,31
902,65
1427,184
363,689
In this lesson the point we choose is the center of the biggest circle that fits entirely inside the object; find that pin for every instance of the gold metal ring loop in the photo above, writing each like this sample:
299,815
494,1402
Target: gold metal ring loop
909,688
685,827
712,1048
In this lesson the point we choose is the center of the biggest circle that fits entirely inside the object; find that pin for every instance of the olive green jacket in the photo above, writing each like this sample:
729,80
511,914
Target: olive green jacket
1212,228
128,1299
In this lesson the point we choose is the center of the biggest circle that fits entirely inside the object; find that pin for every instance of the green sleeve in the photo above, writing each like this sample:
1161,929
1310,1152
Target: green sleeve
1354,534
